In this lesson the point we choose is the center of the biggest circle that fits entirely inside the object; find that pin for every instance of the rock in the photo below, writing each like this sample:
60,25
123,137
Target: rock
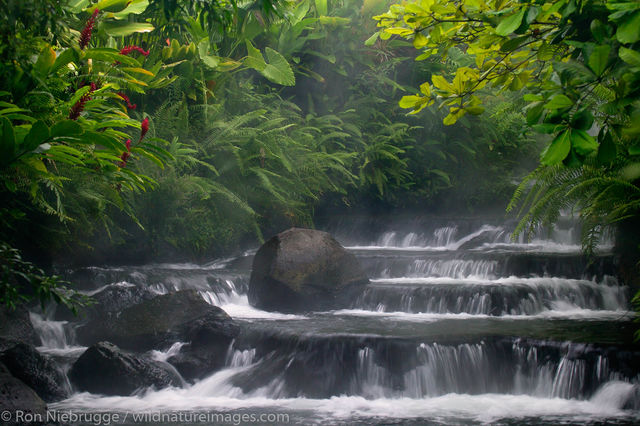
209,338
159,322
35,370
109,301
302,270
106,369
16,325
15,396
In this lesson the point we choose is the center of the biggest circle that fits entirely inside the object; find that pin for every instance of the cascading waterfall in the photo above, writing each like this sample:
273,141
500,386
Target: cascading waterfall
454,327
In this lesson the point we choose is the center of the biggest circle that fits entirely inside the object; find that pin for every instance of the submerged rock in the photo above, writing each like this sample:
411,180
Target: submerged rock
16,396
161,321
36,370
302,270
106,369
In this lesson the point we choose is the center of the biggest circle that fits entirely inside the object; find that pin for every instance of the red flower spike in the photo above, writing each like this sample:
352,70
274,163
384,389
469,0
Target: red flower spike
128,49
128,144
78,107
124,157
85,35
144,127
126,99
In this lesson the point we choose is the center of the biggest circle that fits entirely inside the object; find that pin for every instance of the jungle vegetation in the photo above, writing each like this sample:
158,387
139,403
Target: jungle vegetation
140,129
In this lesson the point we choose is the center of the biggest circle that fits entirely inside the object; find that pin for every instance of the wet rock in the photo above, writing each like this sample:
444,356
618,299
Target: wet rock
208,340
16,396
159,322
16,325
106,369
109,301
302,270
36,370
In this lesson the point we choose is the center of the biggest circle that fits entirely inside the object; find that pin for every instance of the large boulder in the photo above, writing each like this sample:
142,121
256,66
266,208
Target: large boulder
159,322
107,370
17,397
302,270
36,370
15,324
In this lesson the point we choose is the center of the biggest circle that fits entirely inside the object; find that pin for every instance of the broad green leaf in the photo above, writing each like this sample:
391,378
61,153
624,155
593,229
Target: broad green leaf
631,57
558,150
138,70
629,30
582,120
135,7
110,5
372,40
254,58
38,134
321,7
510,23
599,59
45,61
634,150
475,110
607,150
125,28
559,101
420,41
598,30
582,142
110,55
278,69
7,141
66,57
411,101
66,128
441,83
534,112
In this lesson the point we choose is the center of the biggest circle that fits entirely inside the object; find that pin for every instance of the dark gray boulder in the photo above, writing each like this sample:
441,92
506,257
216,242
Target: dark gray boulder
302,270
37,371
208,340
16,325
106,369
159,322
16,396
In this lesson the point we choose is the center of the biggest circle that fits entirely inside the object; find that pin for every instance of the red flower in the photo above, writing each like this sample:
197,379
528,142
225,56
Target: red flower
128,144
78,107
128,49
85,35
144,127
168,42
126,99
124,157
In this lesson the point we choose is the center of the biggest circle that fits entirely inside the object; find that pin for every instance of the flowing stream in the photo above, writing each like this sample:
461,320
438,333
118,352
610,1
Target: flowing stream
454,328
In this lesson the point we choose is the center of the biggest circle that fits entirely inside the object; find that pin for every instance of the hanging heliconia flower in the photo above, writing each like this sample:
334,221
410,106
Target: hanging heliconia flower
78,107
144,127
125,155
126,99
85,35
128,49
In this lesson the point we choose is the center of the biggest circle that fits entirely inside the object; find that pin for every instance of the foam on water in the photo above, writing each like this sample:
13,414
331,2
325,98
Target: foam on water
485,408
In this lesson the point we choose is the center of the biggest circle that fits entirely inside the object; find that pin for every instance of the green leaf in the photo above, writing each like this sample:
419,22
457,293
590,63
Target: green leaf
599,59
582,142
558,150
66,128
607,151
135,7
278,69
598,30
629,30
7,141
510,23
254,58
559,101
634,150
125,28
38,134
321,7
534,112
372,40
66,57
582,120
45,61
110,5
629,56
